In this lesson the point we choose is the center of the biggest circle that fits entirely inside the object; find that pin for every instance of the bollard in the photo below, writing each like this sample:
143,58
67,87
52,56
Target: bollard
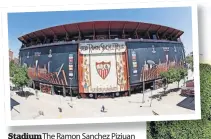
103,108
60,109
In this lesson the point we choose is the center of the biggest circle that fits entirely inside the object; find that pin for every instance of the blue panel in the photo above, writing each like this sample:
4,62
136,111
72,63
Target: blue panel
151,51
52,57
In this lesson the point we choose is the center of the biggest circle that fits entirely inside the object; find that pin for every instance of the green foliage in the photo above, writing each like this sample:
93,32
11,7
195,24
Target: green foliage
20,77
193,129
189,60
174,75
169,75
181,74
164,75
13,68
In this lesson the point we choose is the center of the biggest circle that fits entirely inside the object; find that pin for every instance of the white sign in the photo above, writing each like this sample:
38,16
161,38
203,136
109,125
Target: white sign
102,47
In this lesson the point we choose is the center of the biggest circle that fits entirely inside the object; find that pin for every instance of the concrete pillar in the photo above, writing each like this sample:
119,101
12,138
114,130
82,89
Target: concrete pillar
113,95
52,90
64,91
153,85
129,92
33,84
71,93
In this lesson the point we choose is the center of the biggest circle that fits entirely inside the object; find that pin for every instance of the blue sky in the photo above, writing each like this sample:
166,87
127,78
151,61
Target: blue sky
22,23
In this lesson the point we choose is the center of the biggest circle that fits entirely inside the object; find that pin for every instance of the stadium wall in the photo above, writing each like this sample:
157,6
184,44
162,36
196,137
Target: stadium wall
58,65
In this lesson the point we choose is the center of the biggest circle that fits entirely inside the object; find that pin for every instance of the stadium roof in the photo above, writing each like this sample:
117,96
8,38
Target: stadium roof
92,29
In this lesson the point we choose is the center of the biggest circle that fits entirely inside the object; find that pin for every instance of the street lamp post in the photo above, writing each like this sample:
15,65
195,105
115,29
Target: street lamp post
151,88
60,108
59,97
150,62
71,93
143,86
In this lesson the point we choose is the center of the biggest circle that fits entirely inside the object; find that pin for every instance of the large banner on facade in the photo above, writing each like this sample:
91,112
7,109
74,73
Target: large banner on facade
143,56
55,65
102,67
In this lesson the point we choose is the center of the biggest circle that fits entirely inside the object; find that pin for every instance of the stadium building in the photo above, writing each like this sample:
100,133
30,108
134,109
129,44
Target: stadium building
100,58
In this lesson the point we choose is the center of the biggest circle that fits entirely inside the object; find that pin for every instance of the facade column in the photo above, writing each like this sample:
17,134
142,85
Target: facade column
33,84
52,90
154,85
71,93
64,91
129,92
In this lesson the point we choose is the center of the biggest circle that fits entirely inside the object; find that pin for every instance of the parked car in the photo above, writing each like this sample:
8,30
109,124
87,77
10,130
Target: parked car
188,88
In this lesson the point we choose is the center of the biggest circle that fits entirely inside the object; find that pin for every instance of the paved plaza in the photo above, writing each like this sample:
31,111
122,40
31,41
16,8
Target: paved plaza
84,108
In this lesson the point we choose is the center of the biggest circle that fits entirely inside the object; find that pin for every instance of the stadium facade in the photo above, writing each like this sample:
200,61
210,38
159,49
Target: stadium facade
100,58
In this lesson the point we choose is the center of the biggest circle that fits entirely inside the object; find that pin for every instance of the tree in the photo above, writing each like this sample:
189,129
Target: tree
192,129
189,60
181,73
13,68
168,76
20,78
174,75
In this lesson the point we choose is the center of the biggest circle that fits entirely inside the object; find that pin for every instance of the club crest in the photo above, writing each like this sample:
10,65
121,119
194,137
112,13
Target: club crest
103,68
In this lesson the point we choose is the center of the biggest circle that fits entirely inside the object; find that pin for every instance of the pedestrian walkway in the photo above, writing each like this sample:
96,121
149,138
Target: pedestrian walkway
83,108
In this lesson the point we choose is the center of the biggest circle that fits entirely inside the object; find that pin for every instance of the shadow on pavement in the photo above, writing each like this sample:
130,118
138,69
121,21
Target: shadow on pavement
24,94
188,103
13,103
162,93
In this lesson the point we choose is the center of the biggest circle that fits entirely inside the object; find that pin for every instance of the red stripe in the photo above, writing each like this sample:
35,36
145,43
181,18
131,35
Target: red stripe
100,72
103,74
107,72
